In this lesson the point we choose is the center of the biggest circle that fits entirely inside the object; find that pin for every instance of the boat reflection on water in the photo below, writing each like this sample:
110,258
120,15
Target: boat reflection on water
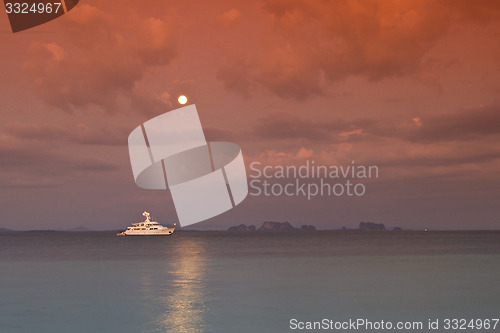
184,302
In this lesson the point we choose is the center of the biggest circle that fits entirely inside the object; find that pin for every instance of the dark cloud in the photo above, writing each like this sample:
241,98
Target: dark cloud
471,124
468,124
285,126
453,159
35,159
217,134
25,183
236,74
80,133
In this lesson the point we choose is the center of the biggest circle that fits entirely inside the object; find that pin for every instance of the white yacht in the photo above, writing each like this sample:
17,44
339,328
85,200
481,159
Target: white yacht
146,228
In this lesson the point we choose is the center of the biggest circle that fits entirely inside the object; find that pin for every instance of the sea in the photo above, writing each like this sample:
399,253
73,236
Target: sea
319,281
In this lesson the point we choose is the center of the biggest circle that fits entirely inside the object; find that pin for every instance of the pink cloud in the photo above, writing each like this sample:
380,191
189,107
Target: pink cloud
98,58
230,17
313,44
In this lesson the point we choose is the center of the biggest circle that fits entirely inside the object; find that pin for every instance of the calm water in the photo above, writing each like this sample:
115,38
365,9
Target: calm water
242,282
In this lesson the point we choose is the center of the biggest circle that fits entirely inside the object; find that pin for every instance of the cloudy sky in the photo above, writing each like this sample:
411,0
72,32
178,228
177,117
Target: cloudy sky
410,86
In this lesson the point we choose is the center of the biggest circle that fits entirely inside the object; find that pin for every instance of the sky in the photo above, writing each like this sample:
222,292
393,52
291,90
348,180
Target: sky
409,86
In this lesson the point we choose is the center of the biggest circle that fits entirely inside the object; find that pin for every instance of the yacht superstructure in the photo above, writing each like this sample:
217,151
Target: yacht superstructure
146,228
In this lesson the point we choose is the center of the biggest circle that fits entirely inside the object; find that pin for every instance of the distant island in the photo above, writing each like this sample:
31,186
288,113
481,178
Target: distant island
272,226
286,226
370,226
5,230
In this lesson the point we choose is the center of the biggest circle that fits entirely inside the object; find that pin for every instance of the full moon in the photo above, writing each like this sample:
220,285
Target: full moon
182,99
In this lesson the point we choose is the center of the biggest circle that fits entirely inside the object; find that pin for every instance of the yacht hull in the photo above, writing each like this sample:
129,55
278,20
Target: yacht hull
162,232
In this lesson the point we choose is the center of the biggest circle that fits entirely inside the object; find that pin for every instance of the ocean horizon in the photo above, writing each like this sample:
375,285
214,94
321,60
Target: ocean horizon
243,281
